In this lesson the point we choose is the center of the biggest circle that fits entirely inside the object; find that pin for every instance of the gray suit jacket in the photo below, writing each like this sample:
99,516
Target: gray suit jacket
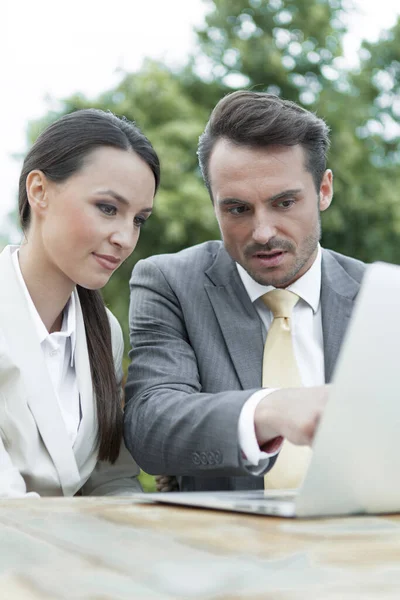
196,357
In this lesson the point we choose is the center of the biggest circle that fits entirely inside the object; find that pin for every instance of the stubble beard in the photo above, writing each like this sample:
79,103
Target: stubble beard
308,248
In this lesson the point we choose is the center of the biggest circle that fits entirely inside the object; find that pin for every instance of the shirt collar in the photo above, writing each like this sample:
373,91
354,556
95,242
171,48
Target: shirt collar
68,327
307,287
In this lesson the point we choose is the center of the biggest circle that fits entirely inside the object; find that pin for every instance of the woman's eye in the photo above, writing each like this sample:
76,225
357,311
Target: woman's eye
139,221
107,209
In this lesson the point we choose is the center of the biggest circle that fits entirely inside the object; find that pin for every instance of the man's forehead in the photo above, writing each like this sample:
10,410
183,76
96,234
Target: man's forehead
228,151
237,160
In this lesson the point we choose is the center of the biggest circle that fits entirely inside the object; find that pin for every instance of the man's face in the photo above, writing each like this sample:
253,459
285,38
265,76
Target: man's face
268,209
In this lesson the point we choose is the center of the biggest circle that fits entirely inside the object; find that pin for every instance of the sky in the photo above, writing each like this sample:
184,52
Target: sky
50,50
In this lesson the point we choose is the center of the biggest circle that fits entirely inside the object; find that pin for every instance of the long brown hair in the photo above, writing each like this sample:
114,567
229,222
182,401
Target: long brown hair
59,152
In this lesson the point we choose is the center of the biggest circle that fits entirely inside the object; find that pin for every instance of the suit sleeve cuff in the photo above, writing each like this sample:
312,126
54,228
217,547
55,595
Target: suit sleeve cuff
255,459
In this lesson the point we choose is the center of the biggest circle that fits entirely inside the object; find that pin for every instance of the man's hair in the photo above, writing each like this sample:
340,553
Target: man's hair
259,120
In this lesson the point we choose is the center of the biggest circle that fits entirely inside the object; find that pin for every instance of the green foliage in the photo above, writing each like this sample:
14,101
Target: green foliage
173,121
294,48
291,47
280,46
365,155
183,213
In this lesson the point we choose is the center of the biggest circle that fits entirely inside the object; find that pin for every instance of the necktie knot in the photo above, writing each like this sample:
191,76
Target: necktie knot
280,302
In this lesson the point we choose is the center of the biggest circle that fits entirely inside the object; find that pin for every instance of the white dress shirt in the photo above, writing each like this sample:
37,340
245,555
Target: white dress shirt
58,352
308,349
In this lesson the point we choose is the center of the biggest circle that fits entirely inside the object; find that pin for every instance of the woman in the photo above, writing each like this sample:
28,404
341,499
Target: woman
86,188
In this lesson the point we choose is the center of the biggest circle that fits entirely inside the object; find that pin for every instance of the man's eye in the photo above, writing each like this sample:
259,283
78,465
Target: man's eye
107,209
285,203
237,210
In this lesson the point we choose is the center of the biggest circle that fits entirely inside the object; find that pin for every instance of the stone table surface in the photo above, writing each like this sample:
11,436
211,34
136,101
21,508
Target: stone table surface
122,548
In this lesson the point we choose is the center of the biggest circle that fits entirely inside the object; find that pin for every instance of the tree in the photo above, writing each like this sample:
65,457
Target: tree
283,46
294,49
365,222
183,213
290,47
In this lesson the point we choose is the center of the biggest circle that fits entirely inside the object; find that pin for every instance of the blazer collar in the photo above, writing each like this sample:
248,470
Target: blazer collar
238,319
307,287
22,339
240,324
338,293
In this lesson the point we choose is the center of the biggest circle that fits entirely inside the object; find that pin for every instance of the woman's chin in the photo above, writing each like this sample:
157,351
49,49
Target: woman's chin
94,283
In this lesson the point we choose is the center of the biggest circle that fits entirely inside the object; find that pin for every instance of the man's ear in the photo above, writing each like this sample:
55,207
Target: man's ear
326,190
36,191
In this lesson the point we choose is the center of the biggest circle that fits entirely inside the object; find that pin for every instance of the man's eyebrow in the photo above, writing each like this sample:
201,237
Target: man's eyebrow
280,195
228,201
120,199
284,194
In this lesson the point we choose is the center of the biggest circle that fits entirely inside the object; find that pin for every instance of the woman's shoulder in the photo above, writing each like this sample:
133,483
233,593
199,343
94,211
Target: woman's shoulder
117,339
114,324
112,319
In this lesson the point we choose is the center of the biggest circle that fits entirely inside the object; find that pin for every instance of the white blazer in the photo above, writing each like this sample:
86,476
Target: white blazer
36,456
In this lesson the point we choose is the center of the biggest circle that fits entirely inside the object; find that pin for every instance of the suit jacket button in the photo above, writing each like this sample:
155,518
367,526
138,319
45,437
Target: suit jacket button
203,458
196,458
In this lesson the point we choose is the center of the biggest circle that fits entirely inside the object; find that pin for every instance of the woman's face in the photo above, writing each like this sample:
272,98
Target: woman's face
89,224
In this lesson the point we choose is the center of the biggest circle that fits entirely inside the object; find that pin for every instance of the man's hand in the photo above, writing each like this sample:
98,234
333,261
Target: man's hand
293,413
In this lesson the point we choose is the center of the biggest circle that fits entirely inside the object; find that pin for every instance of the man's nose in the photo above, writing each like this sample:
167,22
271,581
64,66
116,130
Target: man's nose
264,229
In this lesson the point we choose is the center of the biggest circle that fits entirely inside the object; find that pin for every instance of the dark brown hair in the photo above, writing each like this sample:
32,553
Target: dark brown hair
257,119
59,152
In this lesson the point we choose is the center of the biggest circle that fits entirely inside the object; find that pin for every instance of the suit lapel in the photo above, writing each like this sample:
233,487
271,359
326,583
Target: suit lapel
338,292
22,340
239,322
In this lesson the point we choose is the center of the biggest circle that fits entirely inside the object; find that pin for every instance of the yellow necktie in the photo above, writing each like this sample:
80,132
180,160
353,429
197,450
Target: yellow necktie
280,370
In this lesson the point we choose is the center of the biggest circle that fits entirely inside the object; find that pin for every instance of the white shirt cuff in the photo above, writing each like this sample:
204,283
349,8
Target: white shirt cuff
256,461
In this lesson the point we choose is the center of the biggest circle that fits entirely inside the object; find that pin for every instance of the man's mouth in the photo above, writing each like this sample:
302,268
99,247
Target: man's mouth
272,258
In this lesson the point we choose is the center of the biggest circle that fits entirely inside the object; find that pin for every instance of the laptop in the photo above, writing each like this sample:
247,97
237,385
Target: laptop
355,465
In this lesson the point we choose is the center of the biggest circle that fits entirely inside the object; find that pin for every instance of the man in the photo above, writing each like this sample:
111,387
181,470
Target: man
206,400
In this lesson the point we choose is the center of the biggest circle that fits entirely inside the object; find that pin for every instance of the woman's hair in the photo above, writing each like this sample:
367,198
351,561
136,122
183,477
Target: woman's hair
59,152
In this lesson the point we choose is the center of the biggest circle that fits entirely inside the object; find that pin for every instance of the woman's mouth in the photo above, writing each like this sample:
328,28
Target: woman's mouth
108,262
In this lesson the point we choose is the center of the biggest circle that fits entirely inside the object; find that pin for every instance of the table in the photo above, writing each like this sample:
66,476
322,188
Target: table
116,548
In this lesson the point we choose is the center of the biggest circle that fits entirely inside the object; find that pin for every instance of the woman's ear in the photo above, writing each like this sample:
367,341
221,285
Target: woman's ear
36,192
326,190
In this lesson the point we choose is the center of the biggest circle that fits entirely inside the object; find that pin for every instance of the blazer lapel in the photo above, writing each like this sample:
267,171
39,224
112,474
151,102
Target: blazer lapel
338,292
22,340
239,322
85,444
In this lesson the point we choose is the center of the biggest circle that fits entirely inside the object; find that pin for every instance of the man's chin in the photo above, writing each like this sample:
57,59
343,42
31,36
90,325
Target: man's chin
274,277
274,282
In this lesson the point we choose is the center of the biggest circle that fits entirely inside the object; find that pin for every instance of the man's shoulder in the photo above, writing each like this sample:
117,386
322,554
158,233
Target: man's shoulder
354,268
196,258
